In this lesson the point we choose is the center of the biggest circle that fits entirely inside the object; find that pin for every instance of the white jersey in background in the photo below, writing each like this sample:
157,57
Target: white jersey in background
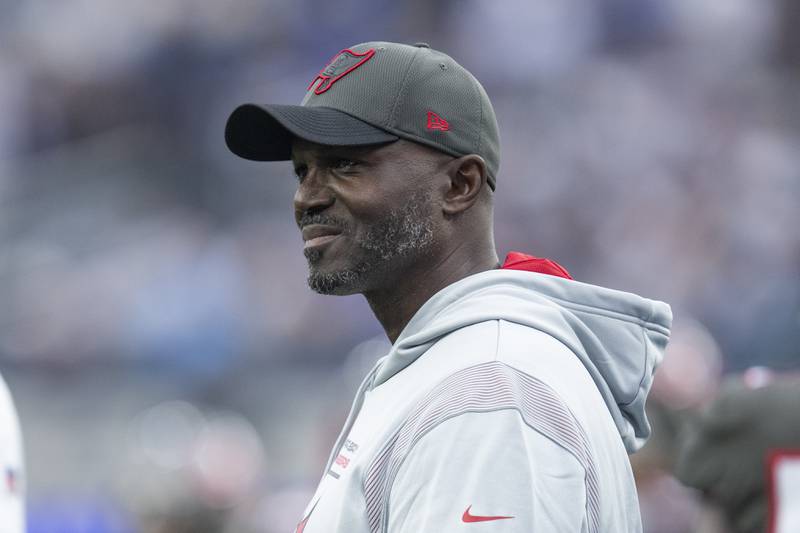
12,503
508,404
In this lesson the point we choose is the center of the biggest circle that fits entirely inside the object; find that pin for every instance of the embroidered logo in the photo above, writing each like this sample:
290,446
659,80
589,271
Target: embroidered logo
467,517
342,64
342,460
435,122
12,480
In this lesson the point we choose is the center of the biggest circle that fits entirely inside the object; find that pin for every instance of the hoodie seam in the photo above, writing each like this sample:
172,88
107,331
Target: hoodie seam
646,358
460,299
497,342
644,372
644,369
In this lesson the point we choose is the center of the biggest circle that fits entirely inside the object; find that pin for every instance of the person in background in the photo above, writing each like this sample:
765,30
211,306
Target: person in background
743,453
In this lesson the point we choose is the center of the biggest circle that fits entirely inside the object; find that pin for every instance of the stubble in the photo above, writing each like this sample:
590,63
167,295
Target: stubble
405,232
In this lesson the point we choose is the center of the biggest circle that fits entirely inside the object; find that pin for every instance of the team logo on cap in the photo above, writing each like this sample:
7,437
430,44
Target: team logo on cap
342,64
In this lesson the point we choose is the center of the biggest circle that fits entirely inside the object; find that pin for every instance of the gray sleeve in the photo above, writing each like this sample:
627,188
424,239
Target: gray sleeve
490,467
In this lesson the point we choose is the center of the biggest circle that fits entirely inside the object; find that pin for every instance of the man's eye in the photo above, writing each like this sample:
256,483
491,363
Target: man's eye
344,165
300,171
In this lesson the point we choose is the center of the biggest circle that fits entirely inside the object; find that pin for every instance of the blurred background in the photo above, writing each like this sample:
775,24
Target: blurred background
171,370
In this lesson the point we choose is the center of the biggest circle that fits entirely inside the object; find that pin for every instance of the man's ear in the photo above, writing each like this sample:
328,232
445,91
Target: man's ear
467,178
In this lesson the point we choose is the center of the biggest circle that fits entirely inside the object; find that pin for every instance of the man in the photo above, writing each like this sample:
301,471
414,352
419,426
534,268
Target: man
512,392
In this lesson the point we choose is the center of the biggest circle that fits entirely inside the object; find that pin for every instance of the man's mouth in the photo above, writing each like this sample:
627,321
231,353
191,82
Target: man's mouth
317,234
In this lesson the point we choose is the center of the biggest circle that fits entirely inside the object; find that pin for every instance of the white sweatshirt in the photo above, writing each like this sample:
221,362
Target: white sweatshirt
507,404
12,507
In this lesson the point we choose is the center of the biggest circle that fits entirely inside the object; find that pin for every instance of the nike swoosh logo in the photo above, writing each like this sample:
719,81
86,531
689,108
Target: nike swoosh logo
467,517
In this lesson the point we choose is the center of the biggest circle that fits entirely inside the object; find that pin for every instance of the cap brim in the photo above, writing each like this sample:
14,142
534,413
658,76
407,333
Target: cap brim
266,132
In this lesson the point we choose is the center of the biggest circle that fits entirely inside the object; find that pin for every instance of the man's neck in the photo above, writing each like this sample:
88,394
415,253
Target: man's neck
396,305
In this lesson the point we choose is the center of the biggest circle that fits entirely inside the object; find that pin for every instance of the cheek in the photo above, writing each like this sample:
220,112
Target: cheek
373,198
368,208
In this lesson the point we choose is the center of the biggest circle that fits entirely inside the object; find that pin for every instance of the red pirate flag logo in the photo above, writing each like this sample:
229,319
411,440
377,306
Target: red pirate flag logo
342,64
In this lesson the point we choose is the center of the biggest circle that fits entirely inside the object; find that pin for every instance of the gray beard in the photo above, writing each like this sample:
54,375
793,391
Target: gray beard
405,232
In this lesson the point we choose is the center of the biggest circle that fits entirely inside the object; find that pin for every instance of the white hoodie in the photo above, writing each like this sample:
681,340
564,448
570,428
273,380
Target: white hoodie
507,404
12,505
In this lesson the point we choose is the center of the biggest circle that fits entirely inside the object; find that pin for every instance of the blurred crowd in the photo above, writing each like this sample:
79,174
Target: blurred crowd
171,370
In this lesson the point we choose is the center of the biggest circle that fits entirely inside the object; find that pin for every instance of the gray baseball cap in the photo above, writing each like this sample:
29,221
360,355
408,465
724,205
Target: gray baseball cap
374,93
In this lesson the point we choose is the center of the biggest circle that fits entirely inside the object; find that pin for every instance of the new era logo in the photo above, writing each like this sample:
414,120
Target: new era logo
435,122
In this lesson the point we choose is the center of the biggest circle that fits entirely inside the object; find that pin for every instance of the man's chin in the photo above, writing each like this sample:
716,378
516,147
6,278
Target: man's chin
339,283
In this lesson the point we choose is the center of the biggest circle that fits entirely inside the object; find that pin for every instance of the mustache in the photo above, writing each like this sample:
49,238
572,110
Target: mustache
322,219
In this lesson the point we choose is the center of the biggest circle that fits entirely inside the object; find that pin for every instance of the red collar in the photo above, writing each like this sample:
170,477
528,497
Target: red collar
520,261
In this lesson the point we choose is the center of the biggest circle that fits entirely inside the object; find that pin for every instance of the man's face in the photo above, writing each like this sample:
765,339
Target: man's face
367,214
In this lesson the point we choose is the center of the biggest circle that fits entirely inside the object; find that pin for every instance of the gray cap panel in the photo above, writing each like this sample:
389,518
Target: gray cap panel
489,143
413,92
443,92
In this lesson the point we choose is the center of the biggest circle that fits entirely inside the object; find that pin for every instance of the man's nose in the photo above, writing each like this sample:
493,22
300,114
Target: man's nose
312,194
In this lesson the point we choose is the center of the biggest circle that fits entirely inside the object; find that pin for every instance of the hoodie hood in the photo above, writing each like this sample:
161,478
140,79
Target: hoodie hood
618,336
